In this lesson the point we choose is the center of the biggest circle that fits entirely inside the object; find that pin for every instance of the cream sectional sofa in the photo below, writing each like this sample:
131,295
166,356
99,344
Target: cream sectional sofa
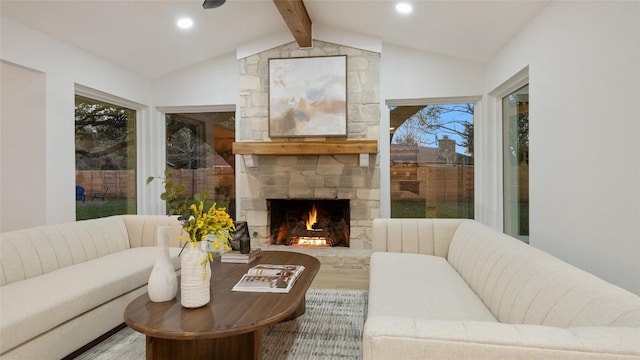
457,289
63,286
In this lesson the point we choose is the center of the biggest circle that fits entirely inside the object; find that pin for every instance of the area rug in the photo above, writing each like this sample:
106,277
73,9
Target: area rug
331,328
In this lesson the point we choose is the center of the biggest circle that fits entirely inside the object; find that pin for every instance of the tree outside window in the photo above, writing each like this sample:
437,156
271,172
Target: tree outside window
199,155
432,161
105,151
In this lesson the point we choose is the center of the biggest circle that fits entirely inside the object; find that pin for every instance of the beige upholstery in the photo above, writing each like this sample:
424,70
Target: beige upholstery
446,297
539,307
142,229
410,236
32,252
82,273
523,285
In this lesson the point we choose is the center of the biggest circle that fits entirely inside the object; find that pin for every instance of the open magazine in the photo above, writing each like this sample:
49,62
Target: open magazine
269,278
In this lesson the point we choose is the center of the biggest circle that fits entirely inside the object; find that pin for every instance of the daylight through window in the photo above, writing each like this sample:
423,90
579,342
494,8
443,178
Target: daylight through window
105,147
432,161
199,155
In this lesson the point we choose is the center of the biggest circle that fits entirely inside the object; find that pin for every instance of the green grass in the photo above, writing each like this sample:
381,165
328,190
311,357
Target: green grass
408,209
420,209
98,208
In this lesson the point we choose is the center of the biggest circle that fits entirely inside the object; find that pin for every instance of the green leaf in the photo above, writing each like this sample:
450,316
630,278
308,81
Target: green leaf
150,179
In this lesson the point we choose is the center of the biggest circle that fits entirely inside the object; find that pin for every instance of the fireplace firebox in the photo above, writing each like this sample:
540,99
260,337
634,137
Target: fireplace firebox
309,222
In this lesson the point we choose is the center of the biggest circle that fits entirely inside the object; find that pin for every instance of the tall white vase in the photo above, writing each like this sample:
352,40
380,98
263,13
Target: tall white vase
163,282
195,277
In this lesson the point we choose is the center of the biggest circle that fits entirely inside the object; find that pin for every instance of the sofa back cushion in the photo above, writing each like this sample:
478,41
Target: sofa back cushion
417,236
35,251
523,285
143,229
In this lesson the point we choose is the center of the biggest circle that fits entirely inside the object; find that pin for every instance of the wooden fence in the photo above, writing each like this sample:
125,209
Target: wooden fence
122,183
442,183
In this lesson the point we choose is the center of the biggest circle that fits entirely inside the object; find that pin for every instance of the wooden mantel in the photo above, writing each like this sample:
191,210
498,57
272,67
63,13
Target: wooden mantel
329,147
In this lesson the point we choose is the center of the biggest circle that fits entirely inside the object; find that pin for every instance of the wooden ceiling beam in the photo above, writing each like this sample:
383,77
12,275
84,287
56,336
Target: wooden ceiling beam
297,19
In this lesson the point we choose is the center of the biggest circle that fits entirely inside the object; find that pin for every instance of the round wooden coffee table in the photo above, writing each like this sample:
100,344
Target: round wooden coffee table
230,326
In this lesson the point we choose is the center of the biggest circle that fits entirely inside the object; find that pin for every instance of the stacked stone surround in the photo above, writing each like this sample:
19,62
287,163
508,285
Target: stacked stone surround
311,176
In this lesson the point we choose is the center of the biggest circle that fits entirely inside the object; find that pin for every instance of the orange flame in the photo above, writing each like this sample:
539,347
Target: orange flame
313,215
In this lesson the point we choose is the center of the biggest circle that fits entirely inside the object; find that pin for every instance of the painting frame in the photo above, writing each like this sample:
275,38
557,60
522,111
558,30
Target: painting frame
308,96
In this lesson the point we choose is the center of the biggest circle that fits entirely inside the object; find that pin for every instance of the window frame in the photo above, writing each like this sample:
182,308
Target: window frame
518,80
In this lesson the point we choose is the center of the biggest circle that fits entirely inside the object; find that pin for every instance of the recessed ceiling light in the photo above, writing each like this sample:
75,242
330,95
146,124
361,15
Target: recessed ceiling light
185,23
404,8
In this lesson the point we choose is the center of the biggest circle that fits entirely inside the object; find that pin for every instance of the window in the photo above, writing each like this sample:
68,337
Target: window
199,155
431,158
105,153
515,120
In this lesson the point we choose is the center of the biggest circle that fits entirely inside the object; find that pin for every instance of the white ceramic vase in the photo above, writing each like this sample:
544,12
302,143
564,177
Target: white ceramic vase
163,282
195,276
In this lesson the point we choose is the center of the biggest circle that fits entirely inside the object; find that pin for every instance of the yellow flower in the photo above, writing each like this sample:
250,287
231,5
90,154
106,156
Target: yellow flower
214,221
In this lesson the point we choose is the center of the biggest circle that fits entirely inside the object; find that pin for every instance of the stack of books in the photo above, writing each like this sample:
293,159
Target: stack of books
240,258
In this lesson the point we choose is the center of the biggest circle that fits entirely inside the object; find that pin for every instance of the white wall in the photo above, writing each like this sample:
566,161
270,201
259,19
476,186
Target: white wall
410,74
215,82
584,78
63,66
22,178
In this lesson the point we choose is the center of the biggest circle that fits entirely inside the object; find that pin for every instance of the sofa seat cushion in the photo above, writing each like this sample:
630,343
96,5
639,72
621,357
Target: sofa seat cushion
34,306
423,286
391,337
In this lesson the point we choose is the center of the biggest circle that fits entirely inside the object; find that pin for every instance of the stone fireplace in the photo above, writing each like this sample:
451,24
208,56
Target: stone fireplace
352,179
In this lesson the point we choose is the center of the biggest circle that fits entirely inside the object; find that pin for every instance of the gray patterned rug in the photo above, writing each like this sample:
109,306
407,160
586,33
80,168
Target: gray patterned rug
331,328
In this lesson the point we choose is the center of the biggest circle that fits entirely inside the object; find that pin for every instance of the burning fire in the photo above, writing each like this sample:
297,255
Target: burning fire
312,218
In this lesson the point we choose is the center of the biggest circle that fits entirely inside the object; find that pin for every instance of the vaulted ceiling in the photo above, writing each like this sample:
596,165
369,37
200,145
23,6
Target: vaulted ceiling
141,35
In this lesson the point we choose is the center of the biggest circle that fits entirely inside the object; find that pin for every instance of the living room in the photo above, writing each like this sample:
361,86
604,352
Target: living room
580,59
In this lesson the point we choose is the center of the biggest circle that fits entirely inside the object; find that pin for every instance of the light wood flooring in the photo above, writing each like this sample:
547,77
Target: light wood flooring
330,277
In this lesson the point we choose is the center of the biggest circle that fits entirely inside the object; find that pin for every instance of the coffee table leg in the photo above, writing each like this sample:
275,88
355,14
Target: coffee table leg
299,310
245,346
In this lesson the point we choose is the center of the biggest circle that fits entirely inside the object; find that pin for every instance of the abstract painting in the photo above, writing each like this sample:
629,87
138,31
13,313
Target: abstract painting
308,96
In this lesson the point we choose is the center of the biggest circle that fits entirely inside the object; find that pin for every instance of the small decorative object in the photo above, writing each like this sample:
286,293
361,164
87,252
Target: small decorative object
196,277
163,282
241,232
245,245
208,232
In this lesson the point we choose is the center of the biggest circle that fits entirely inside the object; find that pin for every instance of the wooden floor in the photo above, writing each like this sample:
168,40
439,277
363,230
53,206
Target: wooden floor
329,277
